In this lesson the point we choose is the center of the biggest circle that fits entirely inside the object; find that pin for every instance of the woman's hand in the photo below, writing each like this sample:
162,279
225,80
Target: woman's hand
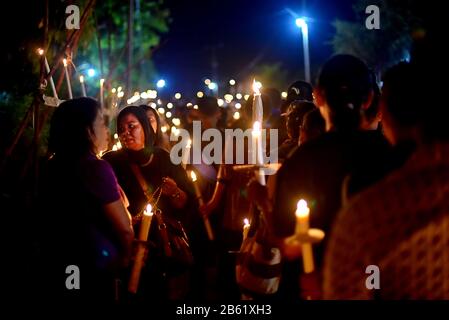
169,186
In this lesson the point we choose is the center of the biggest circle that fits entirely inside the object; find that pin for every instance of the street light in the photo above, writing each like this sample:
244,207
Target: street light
302,24
160,83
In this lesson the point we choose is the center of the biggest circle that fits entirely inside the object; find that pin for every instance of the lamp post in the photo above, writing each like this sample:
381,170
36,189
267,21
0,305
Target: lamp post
302,24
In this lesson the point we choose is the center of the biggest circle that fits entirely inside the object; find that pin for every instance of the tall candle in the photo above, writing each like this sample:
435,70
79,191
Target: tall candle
83,87
67,77
257,151
47,69
302,228
246,226
138,261
186,154
102,93
199,196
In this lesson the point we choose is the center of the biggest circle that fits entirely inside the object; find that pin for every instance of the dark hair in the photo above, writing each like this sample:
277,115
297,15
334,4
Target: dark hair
346,83
295,115
313,123
208,105
298,90
158,133
401,94
140,114
70,125
373,109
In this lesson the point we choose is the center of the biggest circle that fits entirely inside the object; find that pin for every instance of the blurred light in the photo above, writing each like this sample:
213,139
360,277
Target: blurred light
238,96
176,121
153,105
64,61
220,102
212,86
246,96
284,94
159,102
238,105
169,105
114,90
301,23
136,93
160,83
119,89
189,104
120,94
101,81
178,96
257,85
40,51
164,129
119,145
114,148
168,115
81,78
199,94
91,72
144,95
195,107
228,97
161,110
115,136
207,82
152,94
236,115
232,82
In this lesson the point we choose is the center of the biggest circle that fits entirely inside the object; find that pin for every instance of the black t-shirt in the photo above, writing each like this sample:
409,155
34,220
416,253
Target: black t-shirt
315,172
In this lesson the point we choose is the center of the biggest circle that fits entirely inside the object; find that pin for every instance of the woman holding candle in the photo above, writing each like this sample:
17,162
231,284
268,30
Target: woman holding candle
88,225
156,169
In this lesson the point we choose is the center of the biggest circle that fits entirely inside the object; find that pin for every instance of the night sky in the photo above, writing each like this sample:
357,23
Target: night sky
242,34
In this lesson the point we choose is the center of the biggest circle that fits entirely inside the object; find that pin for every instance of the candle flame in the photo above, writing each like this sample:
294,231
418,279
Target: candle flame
246,222
81,79
101,82
148,211
256,86
64,61
301,208
40,51
193,175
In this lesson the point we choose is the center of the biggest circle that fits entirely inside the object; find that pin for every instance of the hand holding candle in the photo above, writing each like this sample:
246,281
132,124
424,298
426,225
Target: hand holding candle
246,226
302,227
207,225
138,261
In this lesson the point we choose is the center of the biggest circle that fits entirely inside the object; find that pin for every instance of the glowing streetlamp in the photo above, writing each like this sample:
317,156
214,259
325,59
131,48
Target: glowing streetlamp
302,24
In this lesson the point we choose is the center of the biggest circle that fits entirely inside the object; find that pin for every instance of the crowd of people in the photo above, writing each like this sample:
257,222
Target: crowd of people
371,160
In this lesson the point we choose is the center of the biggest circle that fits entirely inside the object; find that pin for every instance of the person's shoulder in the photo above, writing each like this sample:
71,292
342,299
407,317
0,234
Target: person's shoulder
98,166
114,157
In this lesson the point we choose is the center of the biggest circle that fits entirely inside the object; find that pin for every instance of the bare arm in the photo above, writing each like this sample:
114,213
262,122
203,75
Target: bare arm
120,220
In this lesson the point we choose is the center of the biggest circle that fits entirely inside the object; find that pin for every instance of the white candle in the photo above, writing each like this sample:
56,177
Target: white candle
302,227
199,196
83,88
257,151
257,102
67,77
140,254
186,154
47,69
102,93
246,226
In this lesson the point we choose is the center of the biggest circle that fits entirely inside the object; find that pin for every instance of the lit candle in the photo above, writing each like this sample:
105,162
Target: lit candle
138,261
102,93
199,196
47,68
246,227
83,87
257,102
186,154
257,151
67,77
302,228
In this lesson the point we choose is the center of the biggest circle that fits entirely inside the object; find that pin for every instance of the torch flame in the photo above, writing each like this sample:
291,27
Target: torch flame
301,208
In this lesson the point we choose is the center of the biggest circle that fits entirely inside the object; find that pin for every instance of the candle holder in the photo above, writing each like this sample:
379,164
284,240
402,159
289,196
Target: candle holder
313,235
